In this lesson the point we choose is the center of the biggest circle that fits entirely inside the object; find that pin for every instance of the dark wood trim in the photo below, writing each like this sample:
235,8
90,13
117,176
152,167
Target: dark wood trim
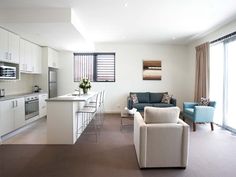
212,126
194,126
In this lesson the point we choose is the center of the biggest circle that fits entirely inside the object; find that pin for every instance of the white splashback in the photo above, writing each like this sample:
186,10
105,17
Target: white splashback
24,85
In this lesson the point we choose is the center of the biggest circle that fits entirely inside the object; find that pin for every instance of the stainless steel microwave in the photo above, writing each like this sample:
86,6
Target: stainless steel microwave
7,72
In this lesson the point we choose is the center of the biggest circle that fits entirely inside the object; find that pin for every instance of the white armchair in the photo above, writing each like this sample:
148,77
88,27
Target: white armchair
161,139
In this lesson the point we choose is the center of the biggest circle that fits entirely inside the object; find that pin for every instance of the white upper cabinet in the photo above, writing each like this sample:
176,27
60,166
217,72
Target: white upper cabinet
9,47
52,58
3,45
30,57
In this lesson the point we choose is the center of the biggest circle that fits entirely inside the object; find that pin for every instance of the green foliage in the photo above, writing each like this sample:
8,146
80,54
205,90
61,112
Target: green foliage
85,84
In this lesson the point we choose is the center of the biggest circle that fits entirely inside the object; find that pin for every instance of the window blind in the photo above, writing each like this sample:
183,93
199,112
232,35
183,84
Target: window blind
105,67
97,67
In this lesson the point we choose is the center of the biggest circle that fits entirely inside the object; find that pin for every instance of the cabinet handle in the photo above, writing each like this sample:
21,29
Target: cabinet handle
13,104
16,103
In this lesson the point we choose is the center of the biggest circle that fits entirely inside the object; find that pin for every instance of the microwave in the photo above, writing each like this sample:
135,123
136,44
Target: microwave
7,72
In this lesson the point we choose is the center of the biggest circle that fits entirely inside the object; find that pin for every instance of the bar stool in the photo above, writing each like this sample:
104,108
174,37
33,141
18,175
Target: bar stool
88,115
100,107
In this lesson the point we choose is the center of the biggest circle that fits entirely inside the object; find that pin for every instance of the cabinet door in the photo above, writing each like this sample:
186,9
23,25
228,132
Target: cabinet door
6,116
13,48
19,113
22,56
3,45
28,56
52,58
42,105
38,64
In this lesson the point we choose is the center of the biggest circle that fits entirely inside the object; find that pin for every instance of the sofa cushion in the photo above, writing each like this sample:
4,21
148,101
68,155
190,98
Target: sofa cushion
162,105
143,97
189,111
156,97
161,115
140,106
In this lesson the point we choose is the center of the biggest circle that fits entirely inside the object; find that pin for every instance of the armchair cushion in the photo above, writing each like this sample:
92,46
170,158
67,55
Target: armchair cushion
162,105
140,106
161,115
189,111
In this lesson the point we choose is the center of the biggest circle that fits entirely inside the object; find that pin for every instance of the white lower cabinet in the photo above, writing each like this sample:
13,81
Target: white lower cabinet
42,105
12,115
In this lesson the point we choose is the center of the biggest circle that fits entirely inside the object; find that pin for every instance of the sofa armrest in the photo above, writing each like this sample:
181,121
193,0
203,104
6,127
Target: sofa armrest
140,134
185,149
173,101
203,113
129,102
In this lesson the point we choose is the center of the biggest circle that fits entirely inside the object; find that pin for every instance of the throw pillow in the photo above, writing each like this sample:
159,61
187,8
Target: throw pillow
204,102
134,98
166,98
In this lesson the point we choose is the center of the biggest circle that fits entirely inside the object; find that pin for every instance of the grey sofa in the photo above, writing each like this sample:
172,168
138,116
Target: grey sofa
149,99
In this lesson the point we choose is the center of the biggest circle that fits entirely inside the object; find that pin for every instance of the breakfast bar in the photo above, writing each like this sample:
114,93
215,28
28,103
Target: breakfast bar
62,117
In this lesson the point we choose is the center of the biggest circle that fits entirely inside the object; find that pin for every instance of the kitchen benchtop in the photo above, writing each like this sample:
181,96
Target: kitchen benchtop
20,95
72,97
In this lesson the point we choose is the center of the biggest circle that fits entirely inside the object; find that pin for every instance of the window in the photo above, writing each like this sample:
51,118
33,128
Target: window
222,81
97,67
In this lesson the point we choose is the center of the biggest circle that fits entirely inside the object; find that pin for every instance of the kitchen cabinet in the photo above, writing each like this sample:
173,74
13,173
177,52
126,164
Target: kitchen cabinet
42,105
9,47
52,58
12,115
30,57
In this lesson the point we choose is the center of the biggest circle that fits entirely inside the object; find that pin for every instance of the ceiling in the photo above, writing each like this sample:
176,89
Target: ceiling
139,21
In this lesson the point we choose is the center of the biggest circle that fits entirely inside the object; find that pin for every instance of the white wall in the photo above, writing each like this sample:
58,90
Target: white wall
24,85
129,57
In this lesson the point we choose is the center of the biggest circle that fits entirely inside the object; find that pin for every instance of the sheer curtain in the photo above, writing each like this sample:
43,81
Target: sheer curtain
223,83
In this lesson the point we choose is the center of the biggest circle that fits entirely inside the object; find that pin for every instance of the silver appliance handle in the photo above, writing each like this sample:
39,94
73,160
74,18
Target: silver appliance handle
33,101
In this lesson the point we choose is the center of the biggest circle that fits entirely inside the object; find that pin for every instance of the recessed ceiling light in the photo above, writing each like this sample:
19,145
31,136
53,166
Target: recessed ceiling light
126,4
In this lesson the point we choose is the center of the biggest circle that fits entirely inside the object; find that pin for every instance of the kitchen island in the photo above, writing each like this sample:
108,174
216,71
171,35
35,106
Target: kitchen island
62,117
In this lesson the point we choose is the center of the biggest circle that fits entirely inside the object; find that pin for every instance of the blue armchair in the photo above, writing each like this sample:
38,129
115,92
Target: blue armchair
199,114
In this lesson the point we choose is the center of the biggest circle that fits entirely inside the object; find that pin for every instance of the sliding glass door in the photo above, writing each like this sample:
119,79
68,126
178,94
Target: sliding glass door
223,82
217,80
230,109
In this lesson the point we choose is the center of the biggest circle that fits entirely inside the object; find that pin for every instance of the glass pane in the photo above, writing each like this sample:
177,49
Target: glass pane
216,79
231,85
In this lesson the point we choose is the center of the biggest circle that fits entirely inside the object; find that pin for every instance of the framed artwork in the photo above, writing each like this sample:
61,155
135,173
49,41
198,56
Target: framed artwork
151,70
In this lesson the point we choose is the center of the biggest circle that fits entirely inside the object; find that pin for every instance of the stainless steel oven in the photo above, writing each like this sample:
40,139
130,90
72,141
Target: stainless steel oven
31,107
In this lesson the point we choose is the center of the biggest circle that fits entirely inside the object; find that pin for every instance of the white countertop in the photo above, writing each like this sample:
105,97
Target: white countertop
20,95
73,97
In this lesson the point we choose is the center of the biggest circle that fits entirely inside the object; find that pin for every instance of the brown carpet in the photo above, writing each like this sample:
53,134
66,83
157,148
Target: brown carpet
212,154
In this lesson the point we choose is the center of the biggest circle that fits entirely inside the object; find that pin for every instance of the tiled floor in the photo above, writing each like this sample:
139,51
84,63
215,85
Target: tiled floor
34,133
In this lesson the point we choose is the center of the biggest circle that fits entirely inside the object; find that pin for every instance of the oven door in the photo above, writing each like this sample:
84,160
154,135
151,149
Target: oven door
31,109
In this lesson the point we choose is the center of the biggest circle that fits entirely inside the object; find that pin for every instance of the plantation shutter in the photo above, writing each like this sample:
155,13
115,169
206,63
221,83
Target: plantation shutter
105,67
83,67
